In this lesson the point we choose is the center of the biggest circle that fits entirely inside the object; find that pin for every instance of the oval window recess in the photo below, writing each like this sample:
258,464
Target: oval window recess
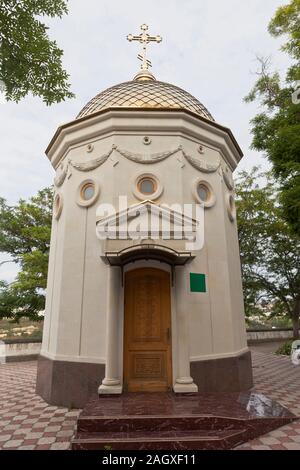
203,193
57,206
88,192
147,186
231,210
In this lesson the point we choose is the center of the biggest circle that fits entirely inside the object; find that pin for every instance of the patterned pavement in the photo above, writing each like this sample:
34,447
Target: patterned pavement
276,377
28,423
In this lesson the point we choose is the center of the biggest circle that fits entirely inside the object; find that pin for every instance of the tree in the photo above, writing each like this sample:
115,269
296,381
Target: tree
29,60
25,237
270,251
276,130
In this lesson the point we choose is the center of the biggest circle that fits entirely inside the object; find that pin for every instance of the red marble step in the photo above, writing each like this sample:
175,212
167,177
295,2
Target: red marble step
163,421
156,423
159,440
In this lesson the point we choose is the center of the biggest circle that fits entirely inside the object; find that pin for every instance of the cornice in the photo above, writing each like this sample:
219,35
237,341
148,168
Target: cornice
125,120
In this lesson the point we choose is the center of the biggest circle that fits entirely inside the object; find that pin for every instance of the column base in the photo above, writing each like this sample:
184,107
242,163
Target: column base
110,389
185,385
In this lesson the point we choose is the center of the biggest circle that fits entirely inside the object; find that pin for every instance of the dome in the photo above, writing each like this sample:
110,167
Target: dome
149,93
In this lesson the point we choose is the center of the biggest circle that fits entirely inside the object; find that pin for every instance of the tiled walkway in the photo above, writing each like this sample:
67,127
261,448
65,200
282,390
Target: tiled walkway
276,377
27,422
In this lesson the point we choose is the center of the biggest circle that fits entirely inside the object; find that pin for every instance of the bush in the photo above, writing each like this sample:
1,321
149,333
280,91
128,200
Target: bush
285,349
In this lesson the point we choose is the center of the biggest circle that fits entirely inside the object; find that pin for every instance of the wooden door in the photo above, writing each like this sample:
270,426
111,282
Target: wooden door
147,331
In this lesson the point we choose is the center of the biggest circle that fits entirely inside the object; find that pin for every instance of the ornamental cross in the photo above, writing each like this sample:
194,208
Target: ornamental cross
144,38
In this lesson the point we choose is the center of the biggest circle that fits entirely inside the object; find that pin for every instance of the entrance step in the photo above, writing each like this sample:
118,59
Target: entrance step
165,421
159,440
154,423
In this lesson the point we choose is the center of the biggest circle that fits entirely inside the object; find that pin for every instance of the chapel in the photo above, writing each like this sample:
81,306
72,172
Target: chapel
144,286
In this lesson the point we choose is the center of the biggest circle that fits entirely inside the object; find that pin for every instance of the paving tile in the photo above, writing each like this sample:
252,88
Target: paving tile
11,427
19,418
50,434
30,442
260,447
21,432
52,428
57,419
268,441
277,433
5,437
60,446
46,440
68,433
34,435
43,447
5,423
12,443
292,446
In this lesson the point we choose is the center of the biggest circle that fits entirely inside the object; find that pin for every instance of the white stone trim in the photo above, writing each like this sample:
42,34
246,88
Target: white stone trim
219,355
111,122
62,357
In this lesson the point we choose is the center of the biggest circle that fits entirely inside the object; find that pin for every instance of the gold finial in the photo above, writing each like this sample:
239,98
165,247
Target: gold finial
144,38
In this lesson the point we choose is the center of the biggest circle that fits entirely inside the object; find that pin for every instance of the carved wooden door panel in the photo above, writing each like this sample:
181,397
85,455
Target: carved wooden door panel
147,331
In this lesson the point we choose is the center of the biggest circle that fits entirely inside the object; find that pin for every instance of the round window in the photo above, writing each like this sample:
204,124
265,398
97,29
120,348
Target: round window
147,186
203,192
88,191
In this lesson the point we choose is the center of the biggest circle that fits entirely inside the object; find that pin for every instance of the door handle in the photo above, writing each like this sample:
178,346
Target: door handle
168,334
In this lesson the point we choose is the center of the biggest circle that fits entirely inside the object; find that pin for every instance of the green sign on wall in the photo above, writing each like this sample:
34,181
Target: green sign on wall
197,282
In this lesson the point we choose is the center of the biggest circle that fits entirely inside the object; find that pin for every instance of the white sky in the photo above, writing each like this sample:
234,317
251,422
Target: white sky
208,48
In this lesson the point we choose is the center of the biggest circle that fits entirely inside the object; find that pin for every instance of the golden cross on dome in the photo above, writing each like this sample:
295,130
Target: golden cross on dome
144,38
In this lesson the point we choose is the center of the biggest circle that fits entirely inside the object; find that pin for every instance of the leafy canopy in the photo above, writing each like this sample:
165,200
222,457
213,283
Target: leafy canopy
276,130
29,60
25,237
270,251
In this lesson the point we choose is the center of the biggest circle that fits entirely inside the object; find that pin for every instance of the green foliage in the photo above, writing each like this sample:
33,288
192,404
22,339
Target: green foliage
29,60
276,130
270,251
285,349
287,22
25,231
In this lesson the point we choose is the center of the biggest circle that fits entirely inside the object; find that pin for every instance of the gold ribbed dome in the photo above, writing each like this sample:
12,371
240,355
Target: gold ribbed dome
145,93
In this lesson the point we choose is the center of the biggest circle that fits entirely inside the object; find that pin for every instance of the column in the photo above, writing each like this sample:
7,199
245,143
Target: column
111,383
184,382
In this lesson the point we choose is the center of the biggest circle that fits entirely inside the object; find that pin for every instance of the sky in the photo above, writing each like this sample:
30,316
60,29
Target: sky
209,48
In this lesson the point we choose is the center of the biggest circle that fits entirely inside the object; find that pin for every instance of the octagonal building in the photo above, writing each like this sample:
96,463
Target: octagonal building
135,302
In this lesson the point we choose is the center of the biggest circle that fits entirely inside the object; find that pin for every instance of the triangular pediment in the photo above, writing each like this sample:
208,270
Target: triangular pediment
148,220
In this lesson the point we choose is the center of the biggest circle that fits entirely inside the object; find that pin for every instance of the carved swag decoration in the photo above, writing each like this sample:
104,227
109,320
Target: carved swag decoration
90,165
